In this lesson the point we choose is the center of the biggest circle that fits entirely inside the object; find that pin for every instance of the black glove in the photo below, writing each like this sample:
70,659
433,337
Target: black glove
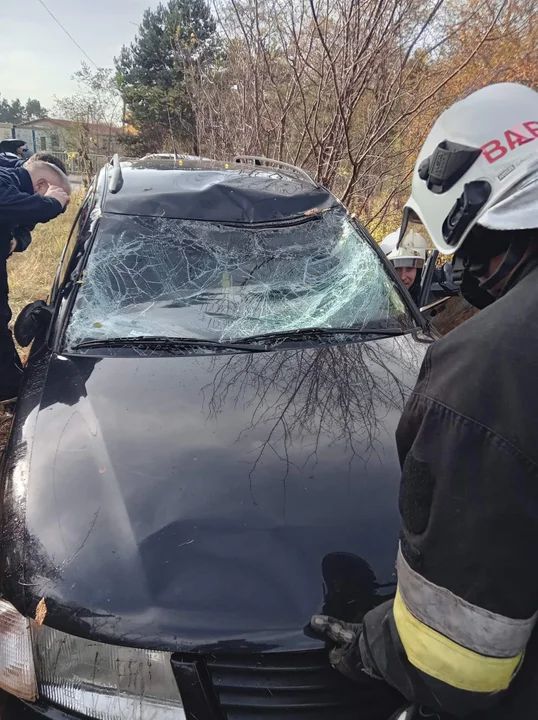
345,656
22,237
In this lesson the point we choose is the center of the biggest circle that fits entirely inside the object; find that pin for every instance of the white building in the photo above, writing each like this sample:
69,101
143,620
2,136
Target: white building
56,135
5,131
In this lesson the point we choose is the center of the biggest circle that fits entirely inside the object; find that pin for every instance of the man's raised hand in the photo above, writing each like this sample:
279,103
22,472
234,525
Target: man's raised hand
58,194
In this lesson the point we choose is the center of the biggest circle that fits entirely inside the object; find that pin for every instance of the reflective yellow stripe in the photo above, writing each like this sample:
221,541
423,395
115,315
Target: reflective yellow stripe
468,625
447,661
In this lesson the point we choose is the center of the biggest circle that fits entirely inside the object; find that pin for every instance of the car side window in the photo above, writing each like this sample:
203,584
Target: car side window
72,241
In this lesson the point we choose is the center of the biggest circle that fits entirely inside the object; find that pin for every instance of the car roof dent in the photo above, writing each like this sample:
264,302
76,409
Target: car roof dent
214,192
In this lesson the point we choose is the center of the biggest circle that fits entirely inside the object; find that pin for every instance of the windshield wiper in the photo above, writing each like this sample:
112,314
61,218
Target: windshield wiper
166,343
246,344
305,333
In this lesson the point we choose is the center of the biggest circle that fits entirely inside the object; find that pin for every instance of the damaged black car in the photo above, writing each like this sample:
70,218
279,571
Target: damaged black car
203,453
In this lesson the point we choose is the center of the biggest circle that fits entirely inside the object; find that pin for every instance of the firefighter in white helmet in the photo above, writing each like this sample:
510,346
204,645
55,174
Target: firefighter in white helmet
389,242
408,260
459,638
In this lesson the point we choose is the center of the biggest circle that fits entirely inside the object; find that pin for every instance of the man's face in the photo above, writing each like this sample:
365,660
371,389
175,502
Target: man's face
407,275
20,150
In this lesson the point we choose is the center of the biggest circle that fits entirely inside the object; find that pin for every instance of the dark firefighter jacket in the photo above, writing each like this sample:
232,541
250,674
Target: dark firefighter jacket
20,206
415,290
459,635
9,160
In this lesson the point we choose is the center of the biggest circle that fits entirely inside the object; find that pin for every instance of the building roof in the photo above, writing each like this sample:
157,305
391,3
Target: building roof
94,128
214,191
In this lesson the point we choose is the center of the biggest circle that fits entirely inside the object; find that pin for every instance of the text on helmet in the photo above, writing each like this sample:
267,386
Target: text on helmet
495,149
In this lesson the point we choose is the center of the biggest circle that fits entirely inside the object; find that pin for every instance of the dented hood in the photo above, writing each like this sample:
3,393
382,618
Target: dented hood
207,501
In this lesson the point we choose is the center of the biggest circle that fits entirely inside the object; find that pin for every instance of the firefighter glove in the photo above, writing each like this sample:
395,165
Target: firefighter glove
344,655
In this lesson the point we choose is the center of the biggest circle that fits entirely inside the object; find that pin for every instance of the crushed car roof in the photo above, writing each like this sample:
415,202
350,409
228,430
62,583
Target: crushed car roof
214,192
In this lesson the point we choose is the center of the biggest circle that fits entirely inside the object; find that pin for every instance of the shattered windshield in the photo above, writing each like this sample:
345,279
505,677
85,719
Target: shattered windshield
149,276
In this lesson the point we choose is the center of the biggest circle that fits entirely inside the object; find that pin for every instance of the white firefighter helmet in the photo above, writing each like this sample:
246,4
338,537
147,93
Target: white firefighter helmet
389,242
411,251
479,164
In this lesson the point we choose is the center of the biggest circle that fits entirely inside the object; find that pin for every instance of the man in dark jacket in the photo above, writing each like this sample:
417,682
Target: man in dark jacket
459,638
13,162
13,148
28,196
8,160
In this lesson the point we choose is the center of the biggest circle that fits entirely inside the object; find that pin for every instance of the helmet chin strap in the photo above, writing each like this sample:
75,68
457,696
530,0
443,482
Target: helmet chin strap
473,293
512,257
476,255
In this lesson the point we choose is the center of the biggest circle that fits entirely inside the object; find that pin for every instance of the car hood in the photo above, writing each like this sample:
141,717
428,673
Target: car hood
210,500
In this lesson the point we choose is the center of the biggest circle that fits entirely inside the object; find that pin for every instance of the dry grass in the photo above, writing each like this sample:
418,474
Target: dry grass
5,427
31,273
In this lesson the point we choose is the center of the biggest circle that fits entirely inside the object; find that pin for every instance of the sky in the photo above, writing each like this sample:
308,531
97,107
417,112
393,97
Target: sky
37,58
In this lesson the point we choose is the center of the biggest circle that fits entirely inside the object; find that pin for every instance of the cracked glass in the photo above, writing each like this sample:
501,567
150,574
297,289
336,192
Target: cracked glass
149,276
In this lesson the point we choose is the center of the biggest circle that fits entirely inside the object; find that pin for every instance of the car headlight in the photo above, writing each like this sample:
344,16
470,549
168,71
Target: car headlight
17,672
94,679
105,681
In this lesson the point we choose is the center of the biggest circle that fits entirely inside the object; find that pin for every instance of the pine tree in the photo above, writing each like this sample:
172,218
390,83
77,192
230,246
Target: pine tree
33,110
151,78
15,112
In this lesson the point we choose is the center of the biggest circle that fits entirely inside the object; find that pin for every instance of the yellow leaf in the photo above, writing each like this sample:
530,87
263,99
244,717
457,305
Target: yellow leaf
41,612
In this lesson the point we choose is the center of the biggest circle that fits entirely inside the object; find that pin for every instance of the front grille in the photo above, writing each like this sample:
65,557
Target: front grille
289,686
